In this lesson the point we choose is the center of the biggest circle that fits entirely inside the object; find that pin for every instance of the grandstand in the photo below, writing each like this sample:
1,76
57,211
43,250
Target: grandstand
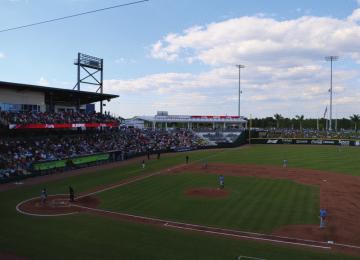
66,132
215,130
163,120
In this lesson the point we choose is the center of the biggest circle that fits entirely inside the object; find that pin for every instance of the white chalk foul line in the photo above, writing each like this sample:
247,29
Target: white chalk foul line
220,230
200,228
247,237
127,182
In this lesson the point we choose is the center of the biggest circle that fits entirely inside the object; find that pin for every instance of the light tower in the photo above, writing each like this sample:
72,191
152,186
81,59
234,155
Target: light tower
240,67
331,59
91,66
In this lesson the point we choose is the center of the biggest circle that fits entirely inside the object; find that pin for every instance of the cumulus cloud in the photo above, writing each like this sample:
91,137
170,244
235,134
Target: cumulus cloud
2,55
262,40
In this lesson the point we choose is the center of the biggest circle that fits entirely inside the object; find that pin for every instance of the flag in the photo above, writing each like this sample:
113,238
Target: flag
325,112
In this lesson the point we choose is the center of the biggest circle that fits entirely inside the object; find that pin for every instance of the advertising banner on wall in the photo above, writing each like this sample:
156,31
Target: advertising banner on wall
305,141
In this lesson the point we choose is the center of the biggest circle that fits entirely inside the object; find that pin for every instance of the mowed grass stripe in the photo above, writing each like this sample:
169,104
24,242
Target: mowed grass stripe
253,204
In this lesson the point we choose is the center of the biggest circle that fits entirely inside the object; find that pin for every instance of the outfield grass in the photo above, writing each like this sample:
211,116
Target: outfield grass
91,237
343,160
253,204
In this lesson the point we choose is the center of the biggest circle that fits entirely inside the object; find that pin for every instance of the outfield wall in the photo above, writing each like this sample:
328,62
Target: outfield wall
310,141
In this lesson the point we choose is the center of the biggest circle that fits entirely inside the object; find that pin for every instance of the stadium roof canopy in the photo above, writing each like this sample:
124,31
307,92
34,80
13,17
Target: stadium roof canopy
59,95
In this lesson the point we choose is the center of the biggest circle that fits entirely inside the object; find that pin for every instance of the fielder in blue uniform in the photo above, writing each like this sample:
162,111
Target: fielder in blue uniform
221,182
323,215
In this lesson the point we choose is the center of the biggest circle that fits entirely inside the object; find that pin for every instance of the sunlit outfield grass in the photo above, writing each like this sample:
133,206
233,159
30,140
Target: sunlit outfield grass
94,237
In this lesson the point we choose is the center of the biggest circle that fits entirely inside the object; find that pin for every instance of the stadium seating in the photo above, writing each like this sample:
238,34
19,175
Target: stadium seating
18,154
53,118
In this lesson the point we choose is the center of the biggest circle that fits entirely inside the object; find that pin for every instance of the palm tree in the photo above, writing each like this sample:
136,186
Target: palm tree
278,117
355,118
301,119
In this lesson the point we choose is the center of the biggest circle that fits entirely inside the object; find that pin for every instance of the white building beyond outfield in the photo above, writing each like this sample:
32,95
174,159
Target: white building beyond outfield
163,120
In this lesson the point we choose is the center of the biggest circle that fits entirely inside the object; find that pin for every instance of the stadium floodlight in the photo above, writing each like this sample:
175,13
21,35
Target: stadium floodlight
331,59
92,67
240,67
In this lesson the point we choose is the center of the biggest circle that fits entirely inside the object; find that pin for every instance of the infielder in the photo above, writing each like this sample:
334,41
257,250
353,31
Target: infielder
285,163
221,182
322,215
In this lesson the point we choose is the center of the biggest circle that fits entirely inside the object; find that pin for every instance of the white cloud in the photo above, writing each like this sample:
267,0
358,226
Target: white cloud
43,82
261,40
2,55
355,16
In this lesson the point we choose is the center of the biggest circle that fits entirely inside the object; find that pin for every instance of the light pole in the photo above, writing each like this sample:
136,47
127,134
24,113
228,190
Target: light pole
240,67
331,59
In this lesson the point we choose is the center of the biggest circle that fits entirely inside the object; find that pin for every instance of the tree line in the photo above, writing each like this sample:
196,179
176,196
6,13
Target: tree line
300,122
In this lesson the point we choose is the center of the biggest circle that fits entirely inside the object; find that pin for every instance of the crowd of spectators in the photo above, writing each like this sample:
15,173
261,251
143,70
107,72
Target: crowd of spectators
17,155
310,133
54,118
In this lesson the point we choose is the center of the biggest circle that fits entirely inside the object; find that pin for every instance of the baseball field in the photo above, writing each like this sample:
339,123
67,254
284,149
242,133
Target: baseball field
174,210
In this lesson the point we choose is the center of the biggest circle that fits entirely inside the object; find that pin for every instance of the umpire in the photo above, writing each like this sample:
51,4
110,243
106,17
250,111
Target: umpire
71,194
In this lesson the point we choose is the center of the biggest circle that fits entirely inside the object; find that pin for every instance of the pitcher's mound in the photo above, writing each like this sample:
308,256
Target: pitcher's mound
206,193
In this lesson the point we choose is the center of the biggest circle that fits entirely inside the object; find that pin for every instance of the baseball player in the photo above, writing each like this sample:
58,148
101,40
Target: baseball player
143,164
285,163
187,159
221,182
43,196
71,194
322,215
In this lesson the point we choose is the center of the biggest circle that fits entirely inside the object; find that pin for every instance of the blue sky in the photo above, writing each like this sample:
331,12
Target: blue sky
179,56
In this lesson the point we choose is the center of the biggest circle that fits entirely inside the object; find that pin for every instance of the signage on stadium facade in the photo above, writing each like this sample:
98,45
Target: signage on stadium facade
287,141
216,117
344,142
316,141
62,126
301,141
272,141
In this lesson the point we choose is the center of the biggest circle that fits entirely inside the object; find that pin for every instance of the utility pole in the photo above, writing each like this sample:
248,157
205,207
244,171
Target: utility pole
240,67
331,59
